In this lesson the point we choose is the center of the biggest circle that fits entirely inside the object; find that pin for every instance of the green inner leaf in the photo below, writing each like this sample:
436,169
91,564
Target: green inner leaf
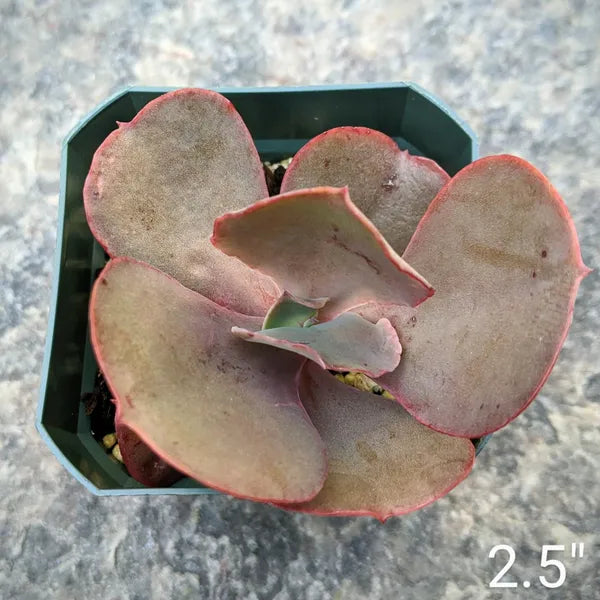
346,343
291,311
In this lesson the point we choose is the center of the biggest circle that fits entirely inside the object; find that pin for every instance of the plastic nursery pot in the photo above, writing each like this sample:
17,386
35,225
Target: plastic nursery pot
281,120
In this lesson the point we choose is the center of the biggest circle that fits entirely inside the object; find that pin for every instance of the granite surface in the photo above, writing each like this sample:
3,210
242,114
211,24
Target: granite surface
525,75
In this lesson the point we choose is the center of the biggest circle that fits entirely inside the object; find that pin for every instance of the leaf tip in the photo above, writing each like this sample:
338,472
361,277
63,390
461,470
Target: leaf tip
242,333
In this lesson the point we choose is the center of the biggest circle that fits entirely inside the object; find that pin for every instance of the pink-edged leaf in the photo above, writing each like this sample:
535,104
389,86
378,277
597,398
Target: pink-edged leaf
142,464
317,243
390,186
218,409
382,462
290,311
156,185
346,343
501,249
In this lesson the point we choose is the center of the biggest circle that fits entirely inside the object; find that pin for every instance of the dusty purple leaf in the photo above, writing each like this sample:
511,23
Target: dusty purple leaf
156,185
390,186
316,243
501,250
382,462
218,409
144,465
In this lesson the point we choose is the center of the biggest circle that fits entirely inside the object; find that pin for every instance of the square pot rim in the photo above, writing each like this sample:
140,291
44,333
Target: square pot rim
225,90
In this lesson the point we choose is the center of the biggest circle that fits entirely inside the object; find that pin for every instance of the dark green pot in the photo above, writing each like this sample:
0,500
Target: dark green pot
281,120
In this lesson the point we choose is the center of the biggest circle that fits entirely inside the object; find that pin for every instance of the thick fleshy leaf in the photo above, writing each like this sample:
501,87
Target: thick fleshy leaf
156,185
144,465
290,311
317,243
390,186
218,409
382,462
501,249
346,343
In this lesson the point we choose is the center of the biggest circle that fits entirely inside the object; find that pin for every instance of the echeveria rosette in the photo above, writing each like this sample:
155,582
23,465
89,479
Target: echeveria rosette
258,421
191,394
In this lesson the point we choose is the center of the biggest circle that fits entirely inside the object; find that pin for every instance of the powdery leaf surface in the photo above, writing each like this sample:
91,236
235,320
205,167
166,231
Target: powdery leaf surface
216,408
501,250
316,243
347,343
382,462
390,186
156,185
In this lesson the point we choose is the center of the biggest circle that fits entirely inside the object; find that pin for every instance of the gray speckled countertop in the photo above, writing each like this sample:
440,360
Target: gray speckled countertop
524,74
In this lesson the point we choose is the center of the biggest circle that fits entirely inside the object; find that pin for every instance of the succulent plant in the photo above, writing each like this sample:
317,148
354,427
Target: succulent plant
223,314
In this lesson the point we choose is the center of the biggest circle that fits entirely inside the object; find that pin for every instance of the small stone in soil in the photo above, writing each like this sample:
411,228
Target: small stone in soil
109,440
361,382
116,452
